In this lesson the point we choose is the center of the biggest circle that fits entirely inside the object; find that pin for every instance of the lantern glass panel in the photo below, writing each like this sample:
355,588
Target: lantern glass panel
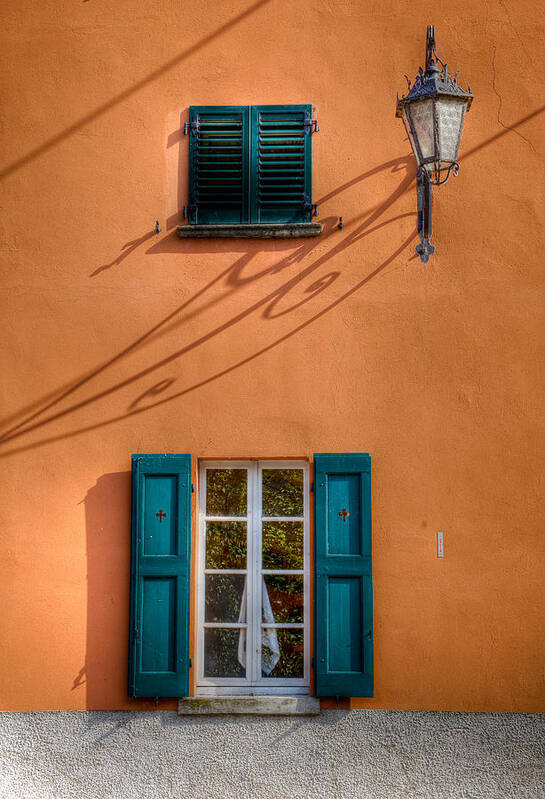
420,113
408,131
450,118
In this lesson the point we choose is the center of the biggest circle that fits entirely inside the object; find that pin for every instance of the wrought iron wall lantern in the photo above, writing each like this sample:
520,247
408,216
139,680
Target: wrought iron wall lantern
433,113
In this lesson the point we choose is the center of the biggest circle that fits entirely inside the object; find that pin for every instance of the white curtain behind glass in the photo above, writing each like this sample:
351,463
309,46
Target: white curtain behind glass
270,648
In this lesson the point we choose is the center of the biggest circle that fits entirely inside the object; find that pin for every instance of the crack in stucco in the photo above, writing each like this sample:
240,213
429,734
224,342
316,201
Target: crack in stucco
517,34
498,95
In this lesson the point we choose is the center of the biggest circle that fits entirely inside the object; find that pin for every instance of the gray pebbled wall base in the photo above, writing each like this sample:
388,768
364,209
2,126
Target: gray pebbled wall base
363,753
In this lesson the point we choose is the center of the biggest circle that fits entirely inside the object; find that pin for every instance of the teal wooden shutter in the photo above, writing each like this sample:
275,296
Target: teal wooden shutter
343,587
218,165
160,574
281,157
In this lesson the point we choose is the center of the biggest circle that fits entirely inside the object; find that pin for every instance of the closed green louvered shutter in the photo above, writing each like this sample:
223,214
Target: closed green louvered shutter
160,574
343,582
281,155
218,165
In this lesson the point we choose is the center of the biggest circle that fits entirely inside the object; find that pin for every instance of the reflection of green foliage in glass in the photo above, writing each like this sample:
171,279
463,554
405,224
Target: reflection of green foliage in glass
286,597
226,492
283,545
223,597
283,492
221,654
292,650
225,545
226,548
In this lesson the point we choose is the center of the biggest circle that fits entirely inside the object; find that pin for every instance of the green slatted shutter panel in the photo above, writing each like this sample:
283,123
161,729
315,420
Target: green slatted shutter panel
160,574
281,176
218,165
343,586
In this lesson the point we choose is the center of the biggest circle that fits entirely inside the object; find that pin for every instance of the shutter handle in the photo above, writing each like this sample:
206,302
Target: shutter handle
308,206
310,125
191,127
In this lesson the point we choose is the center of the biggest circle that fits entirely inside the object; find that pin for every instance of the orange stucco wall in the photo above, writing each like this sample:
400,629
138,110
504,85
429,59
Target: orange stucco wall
117,340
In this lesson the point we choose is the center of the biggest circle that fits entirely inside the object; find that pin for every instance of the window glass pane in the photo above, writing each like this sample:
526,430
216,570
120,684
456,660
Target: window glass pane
282,492
225,598
282,599
226,545
283,545
282,652
224,653
275,599
226,492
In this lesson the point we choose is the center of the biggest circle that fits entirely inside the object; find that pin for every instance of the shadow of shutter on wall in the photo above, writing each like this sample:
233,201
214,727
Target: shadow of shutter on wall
160,574
281,179
343,583
218,165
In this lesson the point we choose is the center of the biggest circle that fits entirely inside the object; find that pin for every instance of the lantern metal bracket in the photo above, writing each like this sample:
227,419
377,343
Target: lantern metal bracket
424,196
453,169
424,185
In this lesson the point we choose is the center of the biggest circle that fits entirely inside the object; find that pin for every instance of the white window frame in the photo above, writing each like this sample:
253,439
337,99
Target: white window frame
253,683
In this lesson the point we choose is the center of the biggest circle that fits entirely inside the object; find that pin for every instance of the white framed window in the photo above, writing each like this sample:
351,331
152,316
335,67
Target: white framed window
253,578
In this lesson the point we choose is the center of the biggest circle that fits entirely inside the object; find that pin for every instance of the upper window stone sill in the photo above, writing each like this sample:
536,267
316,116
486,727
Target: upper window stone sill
252,231
249,706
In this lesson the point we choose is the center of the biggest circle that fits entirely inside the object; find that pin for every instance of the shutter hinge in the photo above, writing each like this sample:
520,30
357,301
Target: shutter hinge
312,662
192,488
190,662
310,125
308,206
192,127
312,487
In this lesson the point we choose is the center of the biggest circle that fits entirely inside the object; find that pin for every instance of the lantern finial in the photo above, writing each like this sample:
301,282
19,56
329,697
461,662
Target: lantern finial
431,49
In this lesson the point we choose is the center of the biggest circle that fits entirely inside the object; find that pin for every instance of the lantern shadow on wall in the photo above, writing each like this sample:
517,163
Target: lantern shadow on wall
433,113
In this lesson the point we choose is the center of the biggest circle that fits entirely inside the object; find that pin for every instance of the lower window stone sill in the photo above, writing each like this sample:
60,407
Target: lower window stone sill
249,706
256,231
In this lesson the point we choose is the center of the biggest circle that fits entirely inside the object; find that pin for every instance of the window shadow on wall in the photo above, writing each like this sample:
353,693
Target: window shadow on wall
45,410
108,533
296,291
